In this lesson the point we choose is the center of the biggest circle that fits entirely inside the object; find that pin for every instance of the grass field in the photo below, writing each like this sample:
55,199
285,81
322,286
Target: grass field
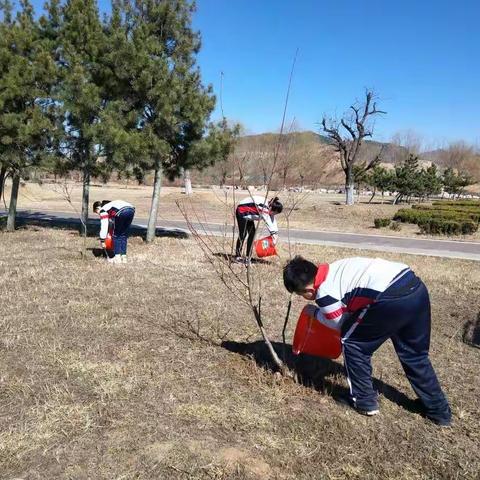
101,377
314,212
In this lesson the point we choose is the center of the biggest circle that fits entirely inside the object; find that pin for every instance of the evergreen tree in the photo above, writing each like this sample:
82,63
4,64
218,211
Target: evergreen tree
455,182
27,111
407,178
88,92
220,146
380,179
165,86
432,182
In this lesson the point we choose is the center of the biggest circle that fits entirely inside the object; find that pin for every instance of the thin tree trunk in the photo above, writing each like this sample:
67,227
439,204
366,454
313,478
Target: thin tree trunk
3,172
85,200
349,187
373,195
12,208
152,219
187,182
84,214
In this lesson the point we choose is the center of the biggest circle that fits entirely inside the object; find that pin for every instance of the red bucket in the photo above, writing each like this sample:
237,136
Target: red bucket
315,338
109,242
265,247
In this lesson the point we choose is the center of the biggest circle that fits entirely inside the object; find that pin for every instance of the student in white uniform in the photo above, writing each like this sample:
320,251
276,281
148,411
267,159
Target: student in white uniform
250,210
370,300
121,214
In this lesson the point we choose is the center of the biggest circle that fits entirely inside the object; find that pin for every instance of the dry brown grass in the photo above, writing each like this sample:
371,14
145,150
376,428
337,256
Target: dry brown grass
101,378
315,212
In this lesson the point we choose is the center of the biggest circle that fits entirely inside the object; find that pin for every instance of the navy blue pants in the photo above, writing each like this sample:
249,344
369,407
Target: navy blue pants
121,225
401,313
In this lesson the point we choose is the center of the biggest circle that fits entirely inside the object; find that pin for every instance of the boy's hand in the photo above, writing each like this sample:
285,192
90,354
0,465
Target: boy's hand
310,310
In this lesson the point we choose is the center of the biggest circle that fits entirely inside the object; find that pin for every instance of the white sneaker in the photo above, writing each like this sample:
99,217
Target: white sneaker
368,413
124,258
117,259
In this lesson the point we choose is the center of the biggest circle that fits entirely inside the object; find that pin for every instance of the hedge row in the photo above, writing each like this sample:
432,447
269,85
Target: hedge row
461,203
448,208
417,216
448,227
435,221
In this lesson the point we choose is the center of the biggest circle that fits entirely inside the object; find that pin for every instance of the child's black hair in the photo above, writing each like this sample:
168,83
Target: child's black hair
99,204
276,205
298,273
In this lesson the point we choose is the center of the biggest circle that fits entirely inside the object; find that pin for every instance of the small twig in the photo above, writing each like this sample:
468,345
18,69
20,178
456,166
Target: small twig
285,327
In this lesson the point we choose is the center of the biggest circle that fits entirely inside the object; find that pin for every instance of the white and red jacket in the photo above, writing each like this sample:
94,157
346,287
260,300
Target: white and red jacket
255,208
352,284
108,211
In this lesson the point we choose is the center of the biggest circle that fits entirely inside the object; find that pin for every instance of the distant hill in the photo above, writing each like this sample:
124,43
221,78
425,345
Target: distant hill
309,158
313,155
391,152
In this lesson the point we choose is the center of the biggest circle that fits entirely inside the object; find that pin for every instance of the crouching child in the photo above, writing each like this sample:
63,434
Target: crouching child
120,214
371,300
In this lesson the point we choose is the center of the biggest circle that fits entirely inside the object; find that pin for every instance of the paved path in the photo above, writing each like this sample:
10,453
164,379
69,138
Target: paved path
418,246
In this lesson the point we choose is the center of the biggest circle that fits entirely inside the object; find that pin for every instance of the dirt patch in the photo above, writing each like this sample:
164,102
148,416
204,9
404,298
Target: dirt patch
210,456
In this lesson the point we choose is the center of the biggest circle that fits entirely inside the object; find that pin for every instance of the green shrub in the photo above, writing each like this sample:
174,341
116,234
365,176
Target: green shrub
381,222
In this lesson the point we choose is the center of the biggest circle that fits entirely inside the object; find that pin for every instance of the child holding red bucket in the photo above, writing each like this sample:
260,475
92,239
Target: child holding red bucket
370,300
121,214
249,211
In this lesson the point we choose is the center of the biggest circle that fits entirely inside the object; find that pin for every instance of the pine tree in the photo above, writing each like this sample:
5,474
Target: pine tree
87,91
432,181
380,179
27,111
407,178
455,182
173,106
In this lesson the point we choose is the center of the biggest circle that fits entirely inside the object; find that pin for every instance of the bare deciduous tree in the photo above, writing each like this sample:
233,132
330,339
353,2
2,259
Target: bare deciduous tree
349,134
244,281
65,190
405,143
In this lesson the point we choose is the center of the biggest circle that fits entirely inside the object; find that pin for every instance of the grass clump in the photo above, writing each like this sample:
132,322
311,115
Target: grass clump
381,222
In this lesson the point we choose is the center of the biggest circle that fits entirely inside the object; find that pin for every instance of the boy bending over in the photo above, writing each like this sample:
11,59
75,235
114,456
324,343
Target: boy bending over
369,301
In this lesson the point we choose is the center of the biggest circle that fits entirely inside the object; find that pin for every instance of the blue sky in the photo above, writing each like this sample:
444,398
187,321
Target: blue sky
420,56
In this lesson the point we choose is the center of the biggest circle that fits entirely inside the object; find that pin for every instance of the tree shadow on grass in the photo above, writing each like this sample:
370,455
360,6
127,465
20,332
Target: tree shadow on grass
315,372
43,219
231,258
97,252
